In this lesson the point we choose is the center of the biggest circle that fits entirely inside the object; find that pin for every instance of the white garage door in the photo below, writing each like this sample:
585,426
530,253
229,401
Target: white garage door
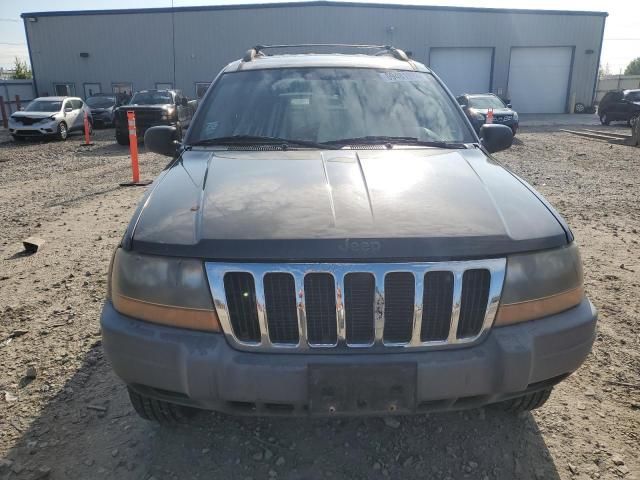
539,78
463,70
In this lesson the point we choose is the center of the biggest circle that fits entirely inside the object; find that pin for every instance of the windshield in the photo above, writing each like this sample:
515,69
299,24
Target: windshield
101,102
486,102
44,106
151,98
634,96
329,104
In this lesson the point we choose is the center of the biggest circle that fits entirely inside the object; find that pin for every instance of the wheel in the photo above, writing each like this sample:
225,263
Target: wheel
158,410
178,132
62,132
122,139
527,402
579,108
604,119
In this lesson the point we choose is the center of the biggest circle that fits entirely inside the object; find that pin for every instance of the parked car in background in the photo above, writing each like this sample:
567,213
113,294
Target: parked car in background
476,106
103,107
154,107
333,238
619,105
49,116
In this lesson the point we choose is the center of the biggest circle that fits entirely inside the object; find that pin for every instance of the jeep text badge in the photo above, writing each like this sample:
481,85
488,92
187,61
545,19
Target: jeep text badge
360,246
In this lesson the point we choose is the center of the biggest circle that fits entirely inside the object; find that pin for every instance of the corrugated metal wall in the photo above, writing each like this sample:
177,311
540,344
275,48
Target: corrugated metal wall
138,47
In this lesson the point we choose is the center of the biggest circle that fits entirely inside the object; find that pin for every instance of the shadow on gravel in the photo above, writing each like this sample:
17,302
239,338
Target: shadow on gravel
108,150
88,430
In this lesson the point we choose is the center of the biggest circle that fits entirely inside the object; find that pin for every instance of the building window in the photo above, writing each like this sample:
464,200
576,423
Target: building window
164,86
125,88
201,89
64,89
91,89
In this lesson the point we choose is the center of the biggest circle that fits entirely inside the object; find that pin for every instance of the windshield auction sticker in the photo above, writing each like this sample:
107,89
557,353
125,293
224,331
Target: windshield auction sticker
401,76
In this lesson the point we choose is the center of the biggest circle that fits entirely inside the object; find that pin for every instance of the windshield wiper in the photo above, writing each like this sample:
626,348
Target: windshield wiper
383,140
262,140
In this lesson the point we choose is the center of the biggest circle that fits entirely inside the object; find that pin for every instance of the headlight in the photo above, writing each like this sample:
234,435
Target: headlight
166,290
477,115
515,115
52,117
540,284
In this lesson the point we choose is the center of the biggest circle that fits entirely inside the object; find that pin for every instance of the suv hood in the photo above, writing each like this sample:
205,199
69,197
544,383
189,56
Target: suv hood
306,205
21,114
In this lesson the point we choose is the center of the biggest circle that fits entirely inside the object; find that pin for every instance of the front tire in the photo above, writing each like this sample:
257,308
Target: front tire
62,132
579,108
159,411
604,119
122,139
525,403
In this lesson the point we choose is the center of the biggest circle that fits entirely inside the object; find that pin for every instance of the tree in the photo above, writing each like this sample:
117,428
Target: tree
633,68
22,70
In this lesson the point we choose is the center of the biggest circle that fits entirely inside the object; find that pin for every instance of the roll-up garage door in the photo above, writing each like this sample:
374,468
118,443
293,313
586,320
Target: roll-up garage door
464,70
539,79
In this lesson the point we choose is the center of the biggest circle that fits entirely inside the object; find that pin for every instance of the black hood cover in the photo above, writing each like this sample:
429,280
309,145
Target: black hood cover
399,204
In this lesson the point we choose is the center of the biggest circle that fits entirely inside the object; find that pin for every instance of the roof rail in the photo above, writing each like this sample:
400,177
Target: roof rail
256,51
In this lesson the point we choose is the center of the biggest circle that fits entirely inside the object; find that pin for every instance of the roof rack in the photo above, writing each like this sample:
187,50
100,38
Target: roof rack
258,50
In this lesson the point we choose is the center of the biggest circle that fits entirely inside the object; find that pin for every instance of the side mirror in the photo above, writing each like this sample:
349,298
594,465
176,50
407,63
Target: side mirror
495,137
509,105
184,102
68,109
162,139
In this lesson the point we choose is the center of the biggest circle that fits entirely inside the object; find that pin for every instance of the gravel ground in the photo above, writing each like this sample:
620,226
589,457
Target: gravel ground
63,414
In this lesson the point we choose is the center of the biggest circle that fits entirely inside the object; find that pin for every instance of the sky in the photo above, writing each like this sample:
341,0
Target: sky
621,36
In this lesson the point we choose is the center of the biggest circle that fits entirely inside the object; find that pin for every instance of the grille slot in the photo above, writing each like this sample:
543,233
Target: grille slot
320,300
241,303
473,305
437,301
399,293
357,307
359,293
280,306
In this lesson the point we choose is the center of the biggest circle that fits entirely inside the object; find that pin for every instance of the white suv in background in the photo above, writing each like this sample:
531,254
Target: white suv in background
50,116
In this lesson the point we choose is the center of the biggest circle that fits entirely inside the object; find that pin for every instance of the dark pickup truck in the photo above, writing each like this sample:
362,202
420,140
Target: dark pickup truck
154,107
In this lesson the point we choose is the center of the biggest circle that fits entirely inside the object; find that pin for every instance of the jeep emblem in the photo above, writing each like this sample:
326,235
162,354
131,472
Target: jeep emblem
360,246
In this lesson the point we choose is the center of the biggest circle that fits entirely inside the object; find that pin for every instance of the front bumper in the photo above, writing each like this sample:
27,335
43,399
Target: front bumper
200,369
33,130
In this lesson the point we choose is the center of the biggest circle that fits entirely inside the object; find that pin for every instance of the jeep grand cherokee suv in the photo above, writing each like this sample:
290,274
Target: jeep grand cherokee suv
333,238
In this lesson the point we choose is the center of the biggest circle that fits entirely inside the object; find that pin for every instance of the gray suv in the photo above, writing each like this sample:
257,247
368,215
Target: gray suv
333,238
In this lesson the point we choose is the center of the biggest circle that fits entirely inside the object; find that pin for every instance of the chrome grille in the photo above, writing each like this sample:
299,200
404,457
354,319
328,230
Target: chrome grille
295,307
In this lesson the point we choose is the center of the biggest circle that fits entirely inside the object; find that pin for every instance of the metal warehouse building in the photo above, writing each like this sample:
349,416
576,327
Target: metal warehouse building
544,61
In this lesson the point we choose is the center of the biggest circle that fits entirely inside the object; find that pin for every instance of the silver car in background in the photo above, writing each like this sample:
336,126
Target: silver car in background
50,116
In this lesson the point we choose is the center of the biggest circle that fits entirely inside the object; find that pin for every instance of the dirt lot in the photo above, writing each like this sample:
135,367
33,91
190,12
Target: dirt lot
73,420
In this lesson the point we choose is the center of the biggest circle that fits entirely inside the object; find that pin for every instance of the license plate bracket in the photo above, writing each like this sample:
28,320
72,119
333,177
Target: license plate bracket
365,389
